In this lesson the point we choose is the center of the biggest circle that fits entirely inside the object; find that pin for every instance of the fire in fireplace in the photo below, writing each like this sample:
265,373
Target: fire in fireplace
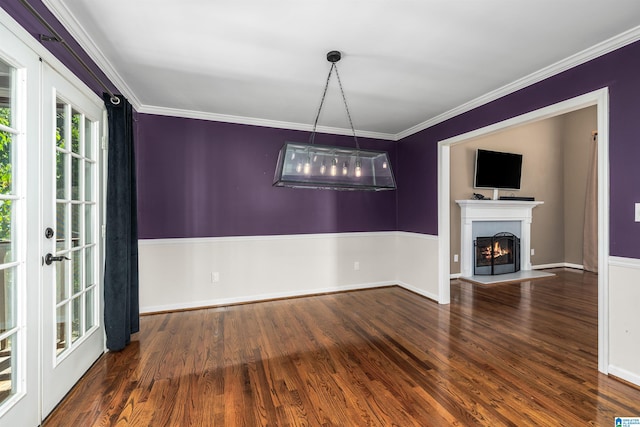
498,254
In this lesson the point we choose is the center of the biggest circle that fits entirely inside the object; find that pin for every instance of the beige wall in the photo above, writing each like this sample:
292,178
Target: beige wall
555,160
578,129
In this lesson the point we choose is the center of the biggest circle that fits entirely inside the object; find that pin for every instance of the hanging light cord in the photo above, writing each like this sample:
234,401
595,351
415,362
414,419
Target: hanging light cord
346,107
57,38
324,94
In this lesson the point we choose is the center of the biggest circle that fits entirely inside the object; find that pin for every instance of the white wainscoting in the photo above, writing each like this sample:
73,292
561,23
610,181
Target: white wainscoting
177,273
624,318
417,263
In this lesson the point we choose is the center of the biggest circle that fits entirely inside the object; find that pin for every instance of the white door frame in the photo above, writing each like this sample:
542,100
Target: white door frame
600,98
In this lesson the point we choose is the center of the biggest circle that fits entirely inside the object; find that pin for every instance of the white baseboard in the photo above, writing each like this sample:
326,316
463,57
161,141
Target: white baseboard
257,298
557,265
455,276
266,297
419,291
624,375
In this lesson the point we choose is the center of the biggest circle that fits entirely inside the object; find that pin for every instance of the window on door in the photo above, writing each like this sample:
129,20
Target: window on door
11,224
76,205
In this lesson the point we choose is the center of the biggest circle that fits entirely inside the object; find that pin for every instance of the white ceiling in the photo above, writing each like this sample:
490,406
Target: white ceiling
405,64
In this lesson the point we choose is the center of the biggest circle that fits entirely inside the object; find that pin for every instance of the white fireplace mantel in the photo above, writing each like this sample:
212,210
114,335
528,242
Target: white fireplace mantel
494,210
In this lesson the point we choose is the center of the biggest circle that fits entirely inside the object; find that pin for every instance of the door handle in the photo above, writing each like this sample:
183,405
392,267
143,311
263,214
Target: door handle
48,258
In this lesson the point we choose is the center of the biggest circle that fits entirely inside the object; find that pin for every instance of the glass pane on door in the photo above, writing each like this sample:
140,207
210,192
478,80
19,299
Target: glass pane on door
11,260
75,218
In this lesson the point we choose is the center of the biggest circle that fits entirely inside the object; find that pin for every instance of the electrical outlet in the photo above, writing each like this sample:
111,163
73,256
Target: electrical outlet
356,265
455,258
533,252
215,277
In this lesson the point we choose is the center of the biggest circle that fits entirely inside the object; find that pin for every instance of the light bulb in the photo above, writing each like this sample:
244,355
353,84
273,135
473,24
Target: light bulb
299,167
358,169
334,167
384,165
323,168
307,167
345,168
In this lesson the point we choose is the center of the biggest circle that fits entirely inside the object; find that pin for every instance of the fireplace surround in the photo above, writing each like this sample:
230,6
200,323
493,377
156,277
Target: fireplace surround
517,217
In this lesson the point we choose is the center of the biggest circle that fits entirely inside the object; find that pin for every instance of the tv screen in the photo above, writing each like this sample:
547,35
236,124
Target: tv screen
495,169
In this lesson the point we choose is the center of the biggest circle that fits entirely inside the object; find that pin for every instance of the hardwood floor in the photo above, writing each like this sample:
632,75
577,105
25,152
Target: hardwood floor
502,355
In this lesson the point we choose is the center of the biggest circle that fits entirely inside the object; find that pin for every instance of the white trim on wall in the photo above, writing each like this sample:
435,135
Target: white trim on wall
616,261
444,244
253,121
206,240
601,99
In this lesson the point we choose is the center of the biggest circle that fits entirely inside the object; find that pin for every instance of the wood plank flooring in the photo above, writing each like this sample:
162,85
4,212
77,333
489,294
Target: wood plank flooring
521,354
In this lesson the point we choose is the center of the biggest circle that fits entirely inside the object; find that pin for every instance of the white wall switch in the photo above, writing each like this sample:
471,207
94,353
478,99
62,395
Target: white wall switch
356,265
215,277
455,258
637,212
533,252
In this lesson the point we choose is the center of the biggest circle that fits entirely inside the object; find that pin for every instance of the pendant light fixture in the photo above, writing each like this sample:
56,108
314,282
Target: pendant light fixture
325,167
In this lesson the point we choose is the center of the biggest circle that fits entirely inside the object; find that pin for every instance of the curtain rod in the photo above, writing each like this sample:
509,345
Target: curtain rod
57,38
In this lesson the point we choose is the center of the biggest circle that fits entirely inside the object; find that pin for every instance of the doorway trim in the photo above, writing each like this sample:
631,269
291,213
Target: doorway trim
600,98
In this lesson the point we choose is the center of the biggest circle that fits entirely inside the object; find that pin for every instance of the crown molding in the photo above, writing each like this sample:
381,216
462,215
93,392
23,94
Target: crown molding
47,57
77,31
616,42
67,19
203,115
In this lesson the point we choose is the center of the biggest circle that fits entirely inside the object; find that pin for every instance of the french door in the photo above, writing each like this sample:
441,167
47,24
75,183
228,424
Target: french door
72,333
20,273
50,247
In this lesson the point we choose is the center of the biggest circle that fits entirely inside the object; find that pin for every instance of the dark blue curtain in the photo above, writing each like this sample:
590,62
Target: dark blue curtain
121,305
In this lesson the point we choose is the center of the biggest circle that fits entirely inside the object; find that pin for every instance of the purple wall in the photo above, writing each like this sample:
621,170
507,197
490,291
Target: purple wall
192,183
619,70
200,178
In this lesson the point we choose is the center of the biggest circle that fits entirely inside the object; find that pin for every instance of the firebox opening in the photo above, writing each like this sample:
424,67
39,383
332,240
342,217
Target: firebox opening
498,254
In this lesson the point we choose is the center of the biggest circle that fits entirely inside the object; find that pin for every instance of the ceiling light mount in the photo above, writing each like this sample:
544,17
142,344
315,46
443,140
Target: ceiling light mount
334,56
305,165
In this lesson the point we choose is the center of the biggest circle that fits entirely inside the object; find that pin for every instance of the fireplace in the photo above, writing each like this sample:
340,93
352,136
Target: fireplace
497,254
479,212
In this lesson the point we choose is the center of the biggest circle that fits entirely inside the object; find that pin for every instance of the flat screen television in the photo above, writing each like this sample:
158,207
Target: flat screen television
495,170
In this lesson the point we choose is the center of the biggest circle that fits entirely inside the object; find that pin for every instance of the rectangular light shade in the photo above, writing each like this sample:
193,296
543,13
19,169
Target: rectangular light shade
333,168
